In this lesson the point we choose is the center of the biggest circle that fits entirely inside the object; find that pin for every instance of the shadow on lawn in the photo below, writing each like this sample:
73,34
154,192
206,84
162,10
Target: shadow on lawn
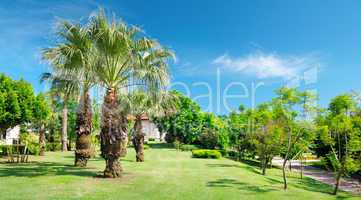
232,183
35,169
246,167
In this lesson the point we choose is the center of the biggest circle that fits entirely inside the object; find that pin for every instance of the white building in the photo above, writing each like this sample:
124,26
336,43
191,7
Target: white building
150,130
11,135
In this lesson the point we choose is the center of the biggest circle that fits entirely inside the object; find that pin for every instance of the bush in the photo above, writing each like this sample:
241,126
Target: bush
188,147
206,153
54,146
32,142
146,147
151,139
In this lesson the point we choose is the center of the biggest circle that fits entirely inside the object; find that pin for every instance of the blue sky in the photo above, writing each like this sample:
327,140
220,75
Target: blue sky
312,44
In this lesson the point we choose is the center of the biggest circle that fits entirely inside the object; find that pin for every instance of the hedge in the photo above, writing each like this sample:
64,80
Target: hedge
206,153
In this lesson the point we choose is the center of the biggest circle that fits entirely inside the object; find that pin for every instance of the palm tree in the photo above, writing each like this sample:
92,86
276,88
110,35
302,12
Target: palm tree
117,45
144,104
75,56
64,89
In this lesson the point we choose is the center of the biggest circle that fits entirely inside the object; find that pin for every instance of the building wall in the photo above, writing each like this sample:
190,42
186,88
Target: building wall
12,134
150,130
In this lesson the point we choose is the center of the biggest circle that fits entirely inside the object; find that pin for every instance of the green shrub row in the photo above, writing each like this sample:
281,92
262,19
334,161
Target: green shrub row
206,153
188,147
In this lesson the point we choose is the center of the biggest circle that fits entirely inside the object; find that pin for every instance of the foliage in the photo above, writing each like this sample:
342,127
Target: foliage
185,125
339,136
206,153
53,146
188,147
32,142
16,102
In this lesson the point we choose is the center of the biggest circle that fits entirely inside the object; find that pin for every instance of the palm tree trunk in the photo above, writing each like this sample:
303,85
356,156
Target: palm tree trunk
112,134
42,140
83,131
64,131
138,140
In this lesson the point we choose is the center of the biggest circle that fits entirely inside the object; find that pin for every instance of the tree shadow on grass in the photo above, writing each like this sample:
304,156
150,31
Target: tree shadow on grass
35,169
232,183
246,167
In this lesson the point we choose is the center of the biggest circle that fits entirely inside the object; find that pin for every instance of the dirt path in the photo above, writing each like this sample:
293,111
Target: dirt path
347,184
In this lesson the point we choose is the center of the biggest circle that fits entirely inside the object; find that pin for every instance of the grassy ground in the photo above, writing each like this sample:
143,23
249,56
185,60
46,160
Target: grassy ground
166,174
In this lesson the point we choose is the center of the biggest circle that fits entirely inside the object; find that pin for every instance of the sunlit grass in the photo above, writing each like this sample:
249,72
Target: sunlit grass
166,174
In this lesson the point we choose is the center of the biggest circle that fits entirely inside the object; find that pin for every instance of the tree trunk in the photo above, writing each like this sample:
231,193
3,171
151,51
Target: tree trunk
301,167
264,166
42,140
113,132
83,131
284,174
138,140
290,165
64,131
338,180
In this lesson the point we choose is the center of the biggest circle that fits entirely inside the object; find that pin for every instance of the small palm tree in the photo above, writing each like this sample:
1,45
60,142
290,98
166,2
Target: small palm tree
144,104
64,89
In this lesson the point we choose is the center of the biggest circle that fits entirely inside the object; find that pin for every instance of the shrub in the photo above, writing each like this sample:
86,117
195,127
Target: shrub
146,147
54,146
206,153
151,139
32,142
188,147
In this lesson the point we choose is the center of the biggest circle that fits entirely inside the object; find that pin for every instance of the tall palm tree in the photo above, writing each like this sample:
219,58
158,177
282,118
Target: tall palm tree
64,89
74,57
117,45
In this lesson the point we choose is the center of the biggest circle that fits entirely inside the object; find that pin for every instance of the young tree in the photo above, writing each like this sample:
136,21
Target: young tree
41,115
267,137
341,137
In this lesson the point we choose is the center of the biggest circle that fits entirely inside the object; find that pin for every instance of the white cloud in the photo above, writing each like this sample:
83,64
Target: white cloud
264,65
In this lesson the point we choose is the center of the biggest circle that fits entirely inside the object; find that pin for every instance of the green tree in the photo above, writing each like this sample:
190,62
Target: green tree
341,135
41,112
185,125
16,102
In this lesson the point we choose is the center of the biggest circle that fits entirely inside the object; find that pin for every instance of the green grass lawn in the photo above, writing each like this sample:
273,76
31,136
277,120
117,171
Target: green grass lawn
166,174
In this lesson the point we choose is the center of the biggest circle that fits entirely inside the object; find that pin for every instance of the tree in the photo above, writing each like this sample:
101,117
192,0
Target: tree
74,57
118,47
240,128
185,125
267,135
340,134
147,104
16,102
41,114
286,117
65,89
